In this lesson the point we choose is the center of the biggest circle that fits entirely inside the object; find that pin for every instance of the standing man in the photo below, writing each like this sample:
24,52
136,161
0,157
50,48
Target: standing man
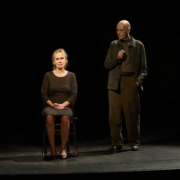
126,62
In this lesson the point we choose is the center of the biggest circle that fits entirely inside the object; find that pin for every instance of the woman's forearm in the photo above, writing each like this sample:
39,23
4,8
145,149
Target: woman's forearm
66,103
50,103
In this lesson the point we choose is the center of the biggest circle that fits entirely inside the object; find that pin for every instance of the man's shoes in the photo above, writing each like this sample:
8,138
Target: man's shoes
115,148
135,148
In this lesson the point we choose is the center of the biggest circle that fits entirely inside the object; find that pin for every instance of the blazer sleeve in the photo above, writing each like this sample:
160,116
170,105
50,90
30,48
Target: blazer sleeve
111,59
44,89
143,66
73,96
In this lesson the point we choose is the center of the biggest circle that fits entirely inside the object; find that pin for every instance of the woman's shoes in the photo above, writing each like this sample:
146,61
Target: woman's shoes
63,156
50,158
53,157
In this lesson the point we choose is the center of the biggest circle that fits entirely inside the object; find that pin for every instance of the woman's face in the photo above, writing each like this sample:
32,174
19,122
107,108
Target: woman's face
59,60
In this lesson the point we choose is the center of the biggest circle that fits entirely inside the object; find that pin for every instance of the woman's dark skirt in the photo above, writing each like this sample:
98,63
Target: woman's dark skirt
57,112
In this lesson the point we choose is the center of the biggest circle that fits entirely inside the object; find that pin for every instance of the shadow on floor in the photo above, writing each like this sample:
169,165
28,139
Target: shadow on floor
35,158
39,158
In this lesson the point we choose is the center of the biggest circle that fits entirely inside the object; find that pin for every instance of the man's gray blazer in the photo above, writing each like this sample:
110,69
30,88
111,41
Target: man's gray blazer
137,58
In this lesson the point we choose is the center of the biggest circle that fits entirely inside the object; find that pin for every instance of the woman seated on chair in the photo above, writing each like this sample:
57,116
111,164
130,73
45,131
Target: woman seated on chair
59,93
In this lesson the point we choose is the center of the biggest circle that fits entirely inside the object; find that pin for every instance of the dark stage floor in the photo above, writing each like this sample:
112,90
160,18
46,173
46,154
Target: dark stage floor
159,154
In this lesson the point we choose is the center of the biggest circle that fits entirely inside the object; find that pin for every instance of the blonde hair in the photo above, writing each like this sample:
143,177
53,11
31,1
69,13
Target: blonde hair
57,51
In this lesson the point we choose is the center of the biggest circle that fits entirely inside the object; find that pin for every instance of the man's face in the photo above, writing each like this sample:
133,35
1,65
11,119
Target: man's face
122,31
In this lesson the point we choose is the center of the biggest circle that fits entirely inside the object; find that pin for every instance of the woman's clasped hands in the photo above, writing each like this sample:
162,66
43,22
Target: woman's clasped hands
58,106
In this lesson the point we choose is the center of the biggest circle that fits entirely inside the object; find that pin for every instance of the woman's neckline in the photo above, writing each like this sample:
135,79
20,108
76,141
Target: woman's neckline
61,76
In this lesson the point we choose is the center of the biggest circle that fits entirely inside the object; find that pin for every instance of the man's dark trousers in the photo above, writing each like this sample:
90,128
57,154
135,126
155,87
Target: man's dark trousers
124,104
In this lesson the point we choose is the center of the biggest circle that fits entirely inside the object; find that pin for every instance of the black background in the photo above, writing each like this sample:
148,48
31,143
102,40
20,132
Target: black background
32,31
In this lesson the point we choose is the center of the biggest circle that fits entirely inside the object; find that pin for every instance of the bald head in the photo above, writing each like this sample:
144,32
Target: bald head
125,23
123,29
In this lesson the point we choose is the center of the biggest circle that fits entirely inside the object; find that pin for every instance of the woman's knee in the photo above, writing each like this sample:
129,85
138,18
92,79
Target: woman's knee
50,119
64,120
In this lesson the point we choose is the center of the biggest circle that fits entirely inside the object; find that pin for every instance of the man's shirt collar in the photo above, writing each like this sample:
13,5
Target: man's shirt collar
132,42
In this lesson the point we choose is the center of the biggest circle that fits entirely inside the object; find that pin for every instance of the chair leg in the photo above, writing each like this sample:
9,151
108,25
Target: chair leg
75,138
44,147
